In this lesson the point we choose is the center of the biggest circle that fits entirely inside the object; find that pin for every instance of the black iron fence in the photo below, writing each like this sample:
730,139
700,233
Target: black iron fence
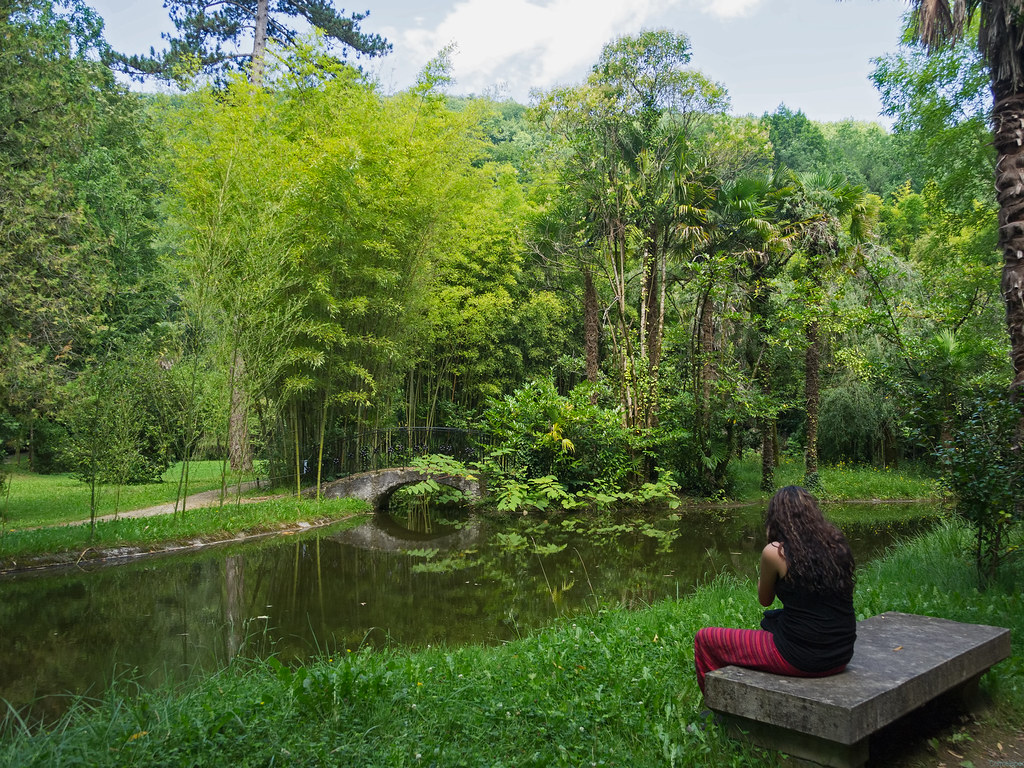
396,447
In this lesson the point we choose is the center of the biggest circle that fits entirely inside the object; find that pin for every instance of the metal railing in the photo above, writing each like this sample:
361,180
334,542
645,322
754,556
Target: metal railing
397,446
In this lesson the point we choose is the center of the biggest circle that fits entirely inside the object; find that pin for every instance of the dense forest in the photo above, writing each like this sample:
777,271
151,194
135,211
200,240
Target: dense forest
621,283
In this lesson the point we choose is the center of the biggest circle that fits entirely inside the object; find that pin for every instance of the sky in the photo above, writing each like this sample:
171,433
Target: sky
811,55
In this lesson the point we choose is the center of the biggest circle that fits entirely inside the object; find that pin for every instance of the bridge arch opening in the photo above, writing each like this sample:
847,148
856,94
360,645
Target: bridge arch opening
383,502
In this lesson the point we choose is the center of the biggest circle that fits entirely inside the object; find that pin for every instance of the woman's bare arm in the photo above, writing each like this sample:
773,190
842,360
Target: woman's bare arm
773,568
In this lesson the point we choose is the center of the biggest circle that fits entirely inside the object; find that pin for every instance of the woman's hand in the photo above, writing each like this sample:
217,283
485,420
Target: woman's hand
773,568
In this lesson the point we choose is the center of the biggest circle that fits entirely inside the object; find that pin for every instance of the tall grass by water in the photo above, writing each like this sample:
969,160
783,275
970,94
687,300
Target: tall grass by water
612,687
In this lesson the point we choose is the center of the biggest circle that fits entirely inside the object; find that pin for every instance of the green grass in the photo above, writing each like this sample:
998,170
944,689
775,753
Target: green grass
36,500
843,482
207,523
611,688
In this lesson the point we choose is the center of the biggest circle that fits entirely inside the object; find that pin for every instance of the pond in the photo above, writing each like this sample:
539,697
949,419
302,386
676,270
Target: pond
411,579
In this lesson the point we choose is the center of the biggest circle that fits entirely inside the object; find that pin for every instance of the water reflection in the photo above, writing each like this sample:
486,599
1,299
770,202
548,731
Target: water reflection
453,580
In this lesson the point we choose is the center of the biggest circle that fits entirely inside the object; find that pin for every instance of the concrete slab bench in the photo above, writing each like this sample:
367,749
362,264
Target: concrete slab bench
900,662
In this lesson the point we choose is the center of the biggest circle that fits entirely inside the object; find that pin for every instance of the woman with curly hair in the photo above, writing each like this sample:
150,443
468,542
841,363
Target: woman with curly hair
808,565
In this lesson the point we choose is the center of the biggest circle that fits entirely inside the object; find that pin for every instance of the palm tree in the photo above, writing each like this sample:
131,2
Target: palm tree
762,263
629,130
831,205
1001,41
749,223
737,221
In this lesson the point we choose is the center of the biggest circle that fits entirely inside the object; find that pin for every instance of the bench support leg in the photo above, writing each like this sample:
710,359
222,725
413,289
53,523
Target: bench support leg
802,745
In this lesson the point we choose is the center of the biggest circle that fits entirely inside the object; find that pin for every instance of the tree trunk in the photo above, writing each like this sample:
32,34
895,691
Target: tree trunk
760,307
767,424
239,450
706,339
707,368
646,294
655,334
1008,135
298,461
320,451
591,326
812,394
259,43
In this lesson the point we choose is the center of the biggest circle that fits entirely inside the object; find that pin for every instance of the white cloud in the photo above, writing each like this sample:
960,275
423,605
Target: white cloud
728,9
527,44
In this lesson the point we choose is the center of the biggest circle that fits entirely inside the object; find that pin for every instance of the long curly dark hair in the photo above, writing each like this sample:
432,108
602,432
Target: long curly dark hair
818,557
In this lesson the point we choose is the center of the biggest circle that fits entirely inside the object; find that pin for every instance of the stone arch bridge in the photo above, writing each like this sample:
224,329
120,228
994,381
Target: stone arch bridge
378,485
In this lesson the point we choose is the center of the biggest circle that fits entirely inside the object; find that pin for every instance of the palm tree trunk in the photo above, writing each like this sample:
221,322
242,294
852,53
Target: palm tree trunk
767,427
707,366
1008,134
760,306
655,335
706,373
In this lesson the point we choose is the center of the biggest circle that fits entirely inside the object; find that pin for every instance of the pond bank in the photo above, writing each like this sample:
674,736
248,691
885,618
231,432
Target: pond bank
117,554
212,532
157,530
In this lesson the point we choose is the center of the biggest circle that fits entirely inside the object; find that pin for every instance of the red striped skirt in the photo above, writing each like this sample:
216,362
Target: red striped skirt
717,647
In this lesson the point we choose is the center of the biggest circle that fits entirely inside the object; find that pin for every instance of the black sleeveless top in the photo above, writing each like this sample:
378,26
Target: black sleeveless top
813,632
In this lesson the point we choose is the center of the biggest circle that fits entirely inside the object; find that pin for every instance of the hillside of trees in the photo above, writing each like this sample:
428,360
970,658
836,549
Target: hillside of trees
618,283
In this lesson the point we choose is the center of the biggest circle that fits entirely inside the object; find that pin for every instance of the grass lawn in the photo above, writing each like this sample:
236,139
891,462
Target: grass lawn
36,500
47,519
40,507
843,482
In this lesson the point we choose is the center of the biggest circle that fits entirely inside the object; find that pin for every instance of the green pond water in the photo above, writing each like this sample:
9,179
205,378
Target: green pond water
412,578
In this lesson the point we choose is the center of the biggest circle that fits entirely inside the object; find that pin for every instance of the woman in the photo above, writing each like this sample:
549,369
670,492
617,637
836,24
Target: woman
807,563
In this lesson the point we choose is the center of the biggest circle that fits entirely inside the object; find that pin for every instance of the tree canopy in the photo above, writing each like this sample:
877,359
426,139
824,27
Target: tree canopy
622,287
212,37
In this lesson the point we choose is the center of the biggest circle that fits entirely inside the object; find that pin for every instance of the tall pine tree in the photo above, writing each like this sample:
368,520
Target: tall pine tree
213,36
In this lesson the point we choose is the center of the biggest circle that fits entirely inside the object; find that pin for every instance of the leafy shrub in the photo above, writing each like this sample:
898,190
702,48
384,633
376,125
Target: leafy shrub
539,433
984,469
119,423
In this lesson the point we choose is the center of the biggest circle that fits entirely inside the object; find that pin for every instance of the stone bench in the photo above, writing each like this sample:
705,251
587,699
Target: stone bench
900,662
